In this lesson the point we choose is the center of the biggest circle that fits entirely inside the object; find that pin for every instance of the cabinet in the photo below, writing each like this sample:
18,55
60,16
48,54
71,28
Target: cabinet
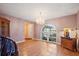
4,27
69,43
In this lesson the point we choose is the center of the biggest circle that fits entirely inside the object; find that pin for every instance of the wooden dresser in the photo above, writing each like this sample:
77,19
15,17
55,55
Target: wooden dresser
69,43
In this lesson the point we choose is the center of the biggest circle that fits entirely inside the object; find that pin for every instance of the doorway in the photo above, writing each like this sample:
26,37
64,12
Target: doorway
28,30
49,33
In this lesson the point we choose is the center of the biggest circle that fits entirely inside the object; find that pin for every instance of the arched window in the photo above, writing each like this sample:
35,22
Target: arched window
49,33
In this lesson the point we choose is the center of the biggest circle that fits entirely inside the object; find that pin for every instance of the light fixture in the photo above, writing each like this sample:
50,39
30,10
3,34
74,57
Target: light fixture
40,20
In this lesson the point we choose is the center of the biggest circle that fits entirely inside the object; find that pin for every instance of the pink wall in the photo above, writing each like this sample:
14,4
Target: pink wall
16,27
78,25
62,22
37,30
78,20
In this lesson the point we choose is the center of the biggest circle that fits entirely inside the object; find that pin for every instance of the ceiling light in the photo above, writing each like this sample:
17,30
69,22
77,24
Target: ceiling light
40,20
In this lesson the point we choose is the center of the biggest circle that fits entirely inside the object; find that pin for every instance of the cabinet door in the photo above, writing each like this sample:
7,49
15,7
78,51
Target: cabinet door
0,26
4,27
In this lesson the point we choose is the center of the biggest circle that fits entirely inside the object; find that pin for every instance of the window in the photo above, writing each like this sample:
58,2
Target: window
49,33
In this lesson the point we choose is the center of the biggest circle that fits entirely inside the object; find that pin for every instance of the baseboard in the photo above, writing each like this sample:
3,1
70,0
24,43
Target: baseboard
28,38
58,43
35,39
20,41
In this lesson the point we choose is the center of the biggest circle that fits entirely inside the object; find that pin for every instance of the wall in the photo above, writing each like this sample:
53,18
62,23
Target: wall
17,31
63,22
16,28
60,23
78,20
37,30
78,25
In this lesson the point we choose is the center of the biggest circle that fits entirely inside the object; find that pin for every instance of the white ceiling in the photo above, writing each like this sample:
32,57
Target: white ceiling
30,11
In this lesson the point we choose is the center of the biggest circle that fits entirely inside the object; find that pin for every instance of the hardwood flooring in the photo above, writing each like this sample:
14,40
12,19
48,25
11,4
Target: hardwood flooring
42,48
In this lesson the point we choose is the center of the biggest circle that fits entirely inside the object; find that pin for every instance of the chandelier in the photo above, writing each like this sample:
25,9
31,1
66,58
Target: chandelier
40,20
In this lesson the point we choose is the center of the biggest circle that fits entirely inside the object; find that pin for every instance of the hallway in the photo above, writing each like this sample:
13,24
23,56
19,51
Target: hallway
41,48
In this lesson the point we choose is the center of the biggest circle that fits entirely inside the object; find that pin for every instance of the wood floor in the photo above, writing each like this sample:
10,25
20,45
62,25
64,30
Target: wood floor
41,48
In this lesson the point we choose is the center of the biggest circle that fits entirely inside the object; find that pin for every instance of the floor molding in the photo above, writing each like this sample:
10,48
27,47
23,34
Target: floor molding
20,41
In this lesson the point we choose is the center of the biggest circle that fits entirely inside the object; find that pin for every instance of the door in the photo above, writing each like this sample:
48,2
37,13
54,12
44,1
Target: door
4,27
77,40
49,33
28,30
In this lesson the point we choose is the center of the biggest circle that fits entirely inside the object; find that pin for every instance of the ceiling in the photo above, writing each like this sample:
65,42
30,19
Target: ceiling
31,11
